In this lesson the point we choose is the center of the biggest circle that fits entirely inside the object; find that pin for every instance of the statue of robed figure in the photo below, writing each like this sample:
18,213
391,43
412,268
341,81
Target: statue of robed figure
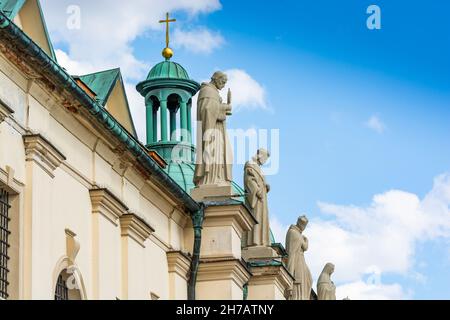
256,198
214,154
296,245
326,290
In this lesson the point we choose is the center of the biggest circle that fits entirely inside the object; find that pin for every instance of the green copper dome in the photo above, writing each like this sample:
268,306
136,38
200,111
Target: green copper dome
183,174
168,70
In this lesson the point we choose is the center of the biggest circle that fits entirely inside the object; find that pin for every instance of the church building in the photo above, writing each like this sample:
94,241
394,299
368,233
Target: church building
89,212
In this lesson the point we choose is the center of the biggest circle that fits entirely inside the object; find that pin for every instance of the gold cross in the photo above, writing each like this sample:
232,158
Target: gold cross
167,21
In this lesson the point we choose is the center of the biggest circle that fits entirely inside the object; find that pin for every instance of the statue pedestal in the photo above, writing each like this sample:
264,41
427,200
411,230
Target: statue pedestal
222,273
212,192
270,280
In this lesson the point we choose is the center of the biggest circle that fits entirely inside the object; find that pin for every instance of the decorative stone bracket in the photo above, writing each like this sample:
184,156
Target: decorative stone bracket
179,263
43,153
107,204
136,228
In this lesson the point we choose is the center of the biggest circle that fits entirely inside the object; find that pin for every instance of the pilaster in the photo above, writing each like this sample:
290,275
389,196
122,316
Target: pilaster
179,265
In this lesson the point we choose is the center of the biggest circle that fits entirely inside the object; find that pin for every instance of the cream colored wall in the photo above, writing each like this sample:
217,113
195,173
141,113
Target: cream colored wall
52,204
219,290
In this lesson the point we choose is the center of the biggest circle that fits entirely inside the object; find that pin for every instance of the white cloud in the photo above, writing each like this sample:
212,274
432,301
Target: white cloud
108,27
375,124
360,290
74,67
247,93
199,40
107,30
382,237
279,230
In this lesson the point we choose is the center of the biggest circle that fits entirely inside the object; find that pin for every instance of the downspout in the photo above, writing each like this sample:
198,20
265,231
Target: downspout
197,223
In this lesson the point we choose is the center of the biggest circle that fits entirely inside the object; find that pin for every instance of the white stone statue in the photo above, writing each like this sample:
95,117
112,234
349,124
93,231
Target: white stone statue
326,290
214,154
296,245
256,198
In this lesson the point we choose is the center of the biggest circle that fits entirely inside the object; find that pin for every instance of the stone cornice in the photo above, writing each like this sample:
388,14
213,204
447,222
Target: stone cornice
43,153
107,204
223,269
136,228
179,263
271,274
5,110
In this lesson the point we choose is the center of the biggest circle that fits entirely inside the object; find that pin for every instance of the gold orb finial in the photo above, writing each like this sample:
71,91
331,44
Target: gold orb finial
167,53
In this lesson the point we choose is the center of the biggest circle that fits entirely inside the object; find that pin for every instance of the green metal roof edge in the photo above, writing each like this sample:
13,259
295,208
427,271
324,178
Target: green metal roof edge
133,127
265,263
13,13
111,76
115,75
146,86
28,46
17,5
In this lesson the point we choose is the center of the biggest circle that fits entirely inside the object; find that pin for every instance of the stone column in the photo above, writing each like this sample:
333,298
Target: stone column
42,161
155,124
106,249
189,122
150,119
179,265
183,120
173,125
164,120
134,232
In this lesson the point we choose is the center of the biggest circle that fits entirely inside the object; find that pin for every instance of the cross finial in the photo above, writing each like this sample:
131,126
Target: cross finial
167,52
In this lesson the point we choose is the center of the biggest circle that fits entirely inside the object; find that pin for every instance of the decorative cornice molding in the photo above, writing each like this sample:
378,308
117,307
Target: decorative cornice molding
179,263
43,153
5,111
107,204
136,228
271,274
223,269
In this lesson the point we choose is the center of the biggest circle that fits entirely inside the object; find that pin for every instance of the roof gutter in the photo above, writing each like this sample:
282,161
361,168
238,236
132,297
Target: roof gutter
11,32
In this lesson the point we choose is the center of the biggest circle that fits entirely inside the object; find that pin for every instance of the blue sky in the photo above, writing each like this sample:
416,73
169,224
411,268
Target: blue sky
360,112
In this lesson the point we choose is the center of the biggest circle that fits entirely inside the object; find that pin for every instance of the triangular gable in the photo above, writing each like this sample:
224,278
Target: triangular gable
27,15
110,93
102,83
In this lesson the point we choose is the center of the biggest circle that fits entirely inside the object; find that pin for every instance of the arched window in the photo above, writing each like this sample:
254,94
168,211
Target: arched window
61,291
67,286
